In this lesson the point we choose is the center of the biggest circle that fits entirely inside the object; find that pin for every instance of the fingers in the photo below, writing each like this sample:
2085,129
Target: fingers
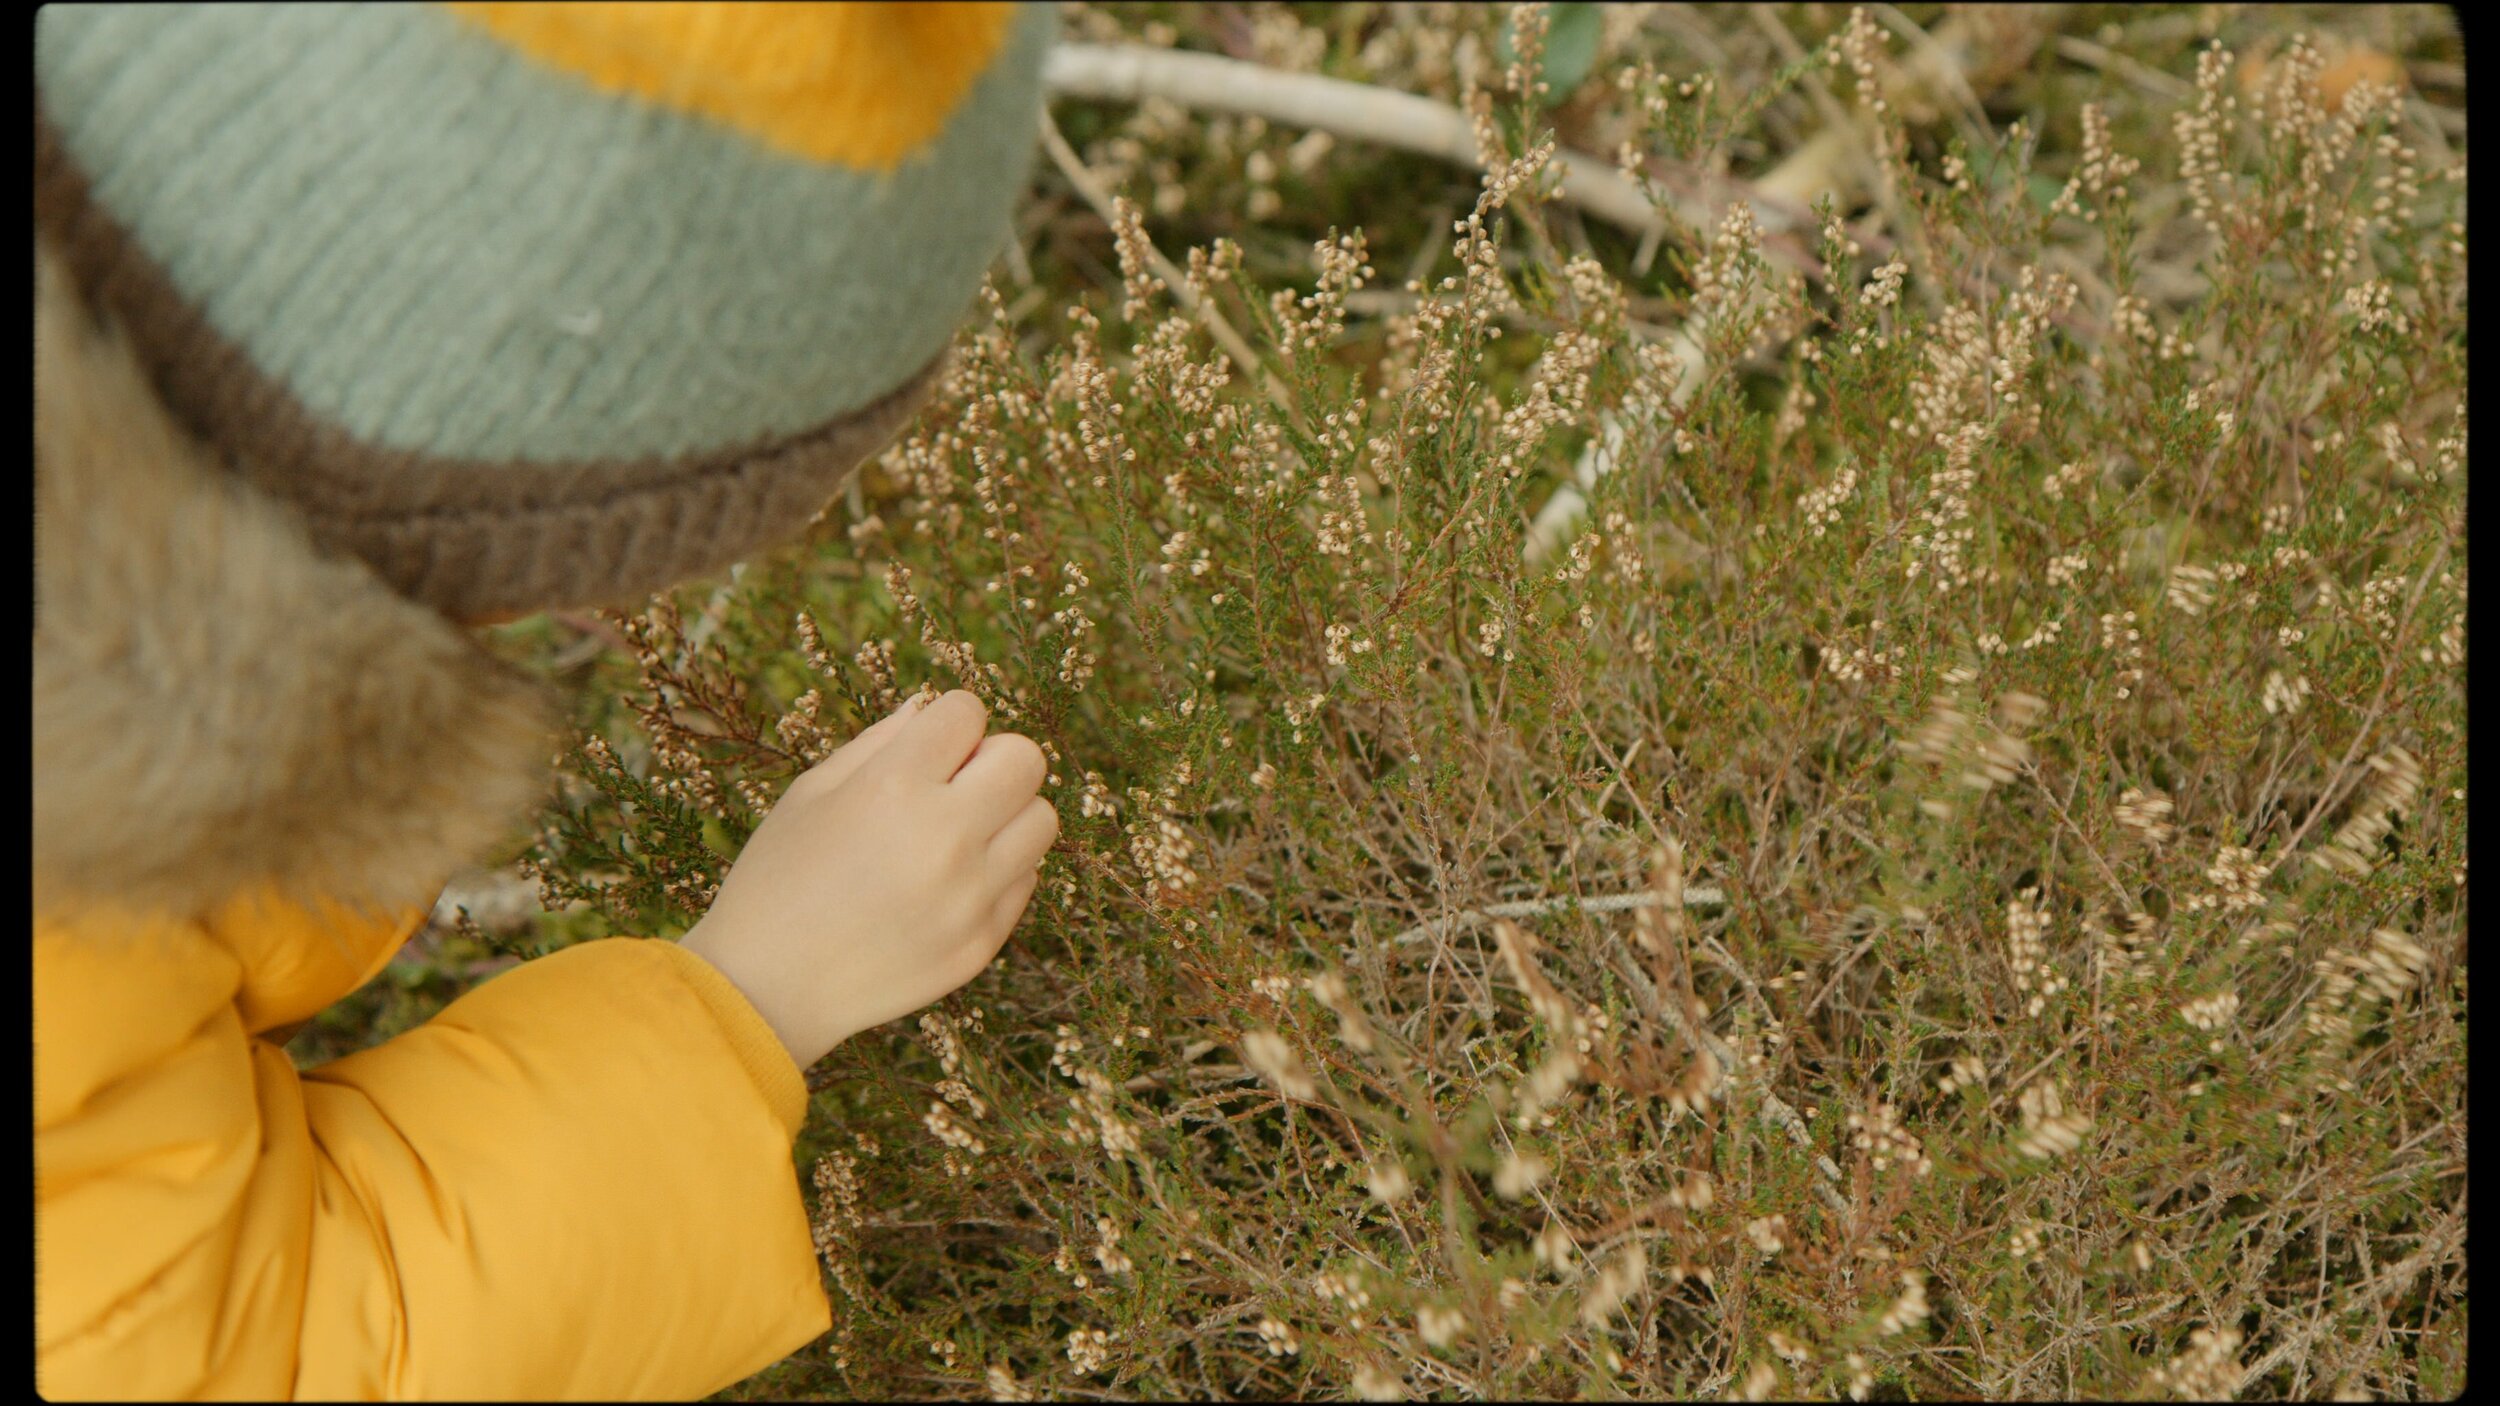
1004,772
935,742
1019,847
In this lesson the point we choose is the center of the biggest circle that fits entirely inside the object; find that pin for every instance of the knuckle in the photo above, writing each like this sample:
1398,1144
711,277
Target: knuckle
955,849
963,840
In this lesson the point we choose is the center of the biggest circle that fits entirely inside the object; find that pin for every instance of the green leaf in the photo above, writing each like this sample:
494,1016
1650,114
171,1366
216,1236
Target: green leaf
1571,35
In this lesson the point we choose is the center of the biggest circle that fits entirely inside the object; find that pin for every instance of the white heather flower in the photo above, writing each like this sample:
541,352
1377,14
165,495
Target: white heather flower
1439,1326
2026,1242
2100,171
2393,962
1097,798
1373,1382
2391,792
1068,1043
1881,1135
1387,1181
1094,1120
941,1123
2191,589
2027,927
1107,1247
1064,1260
1330,989
2237,876
1278,1338
2147,815
1552,1247
2120,635
1089,1350
1965,1071
1821,506
1696,1193
938,1029
1700,1082
1549,1081
2209,1370
1337,637
2049,1130
2211,1012
1266,1052
1518,1173
1910,1309
1613,1284
2372,305
956,1092
1161,850
1004,1386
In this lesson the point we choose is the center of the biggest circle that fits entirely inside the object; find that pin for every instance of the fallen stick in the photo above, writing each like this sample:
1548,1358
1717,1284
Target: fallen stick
1355,111
1701,895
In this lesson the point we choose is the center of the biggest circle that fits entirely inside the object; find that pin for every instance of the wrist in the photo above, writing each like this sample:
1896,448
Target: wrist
803,1039
759,1047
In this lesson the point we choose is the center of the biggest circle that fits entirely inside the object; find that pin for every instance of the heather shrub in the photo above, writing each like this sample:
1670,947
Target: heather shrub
1943,874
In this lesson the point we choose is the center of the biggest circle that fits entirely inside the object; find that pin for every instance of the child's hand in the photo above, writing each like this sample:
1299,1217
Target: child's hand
889,874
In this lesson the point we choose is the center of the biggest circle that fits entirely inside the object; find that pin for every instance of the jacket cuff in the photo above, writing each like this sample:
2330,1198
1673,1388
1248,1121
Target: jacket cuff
767,1062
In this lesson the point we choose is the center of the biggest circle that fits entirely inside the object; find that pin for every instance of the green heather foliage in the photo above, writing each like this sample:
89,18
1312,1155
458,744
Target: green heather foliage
1945,878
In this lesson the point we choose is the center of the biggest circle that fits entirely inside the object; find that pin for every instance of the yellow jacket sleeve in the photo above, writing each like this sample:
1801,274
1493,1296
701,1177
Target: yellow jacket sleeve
574,1182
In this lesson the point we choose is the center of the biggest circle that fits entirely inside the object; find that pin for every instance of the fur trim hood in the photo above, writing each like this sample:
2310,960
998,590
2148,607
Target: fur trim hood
219,707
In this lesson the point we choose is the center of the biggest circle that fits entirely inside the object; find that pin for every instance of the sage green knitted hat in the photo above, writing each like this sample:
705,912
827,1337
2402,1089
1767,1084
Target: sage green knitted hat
528,305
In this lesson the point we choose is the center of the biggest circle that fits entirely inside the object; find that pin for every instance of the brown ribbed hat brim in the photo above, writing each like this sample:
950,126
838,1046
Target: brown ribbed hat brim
470,537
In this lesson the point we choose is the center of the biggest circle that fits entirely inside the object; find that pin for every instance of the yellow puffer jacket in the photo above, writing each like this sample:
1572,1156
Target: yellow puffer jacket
254,765
574,1182
256,760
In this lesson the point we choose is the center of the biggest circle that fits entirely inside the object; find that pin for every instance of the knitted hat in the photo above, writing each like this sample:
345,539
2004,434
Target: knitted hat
523,304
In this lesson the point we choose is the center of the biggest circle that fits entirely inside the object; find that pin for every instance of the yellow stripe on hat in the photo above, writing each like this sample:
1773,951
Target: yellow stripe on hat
865,85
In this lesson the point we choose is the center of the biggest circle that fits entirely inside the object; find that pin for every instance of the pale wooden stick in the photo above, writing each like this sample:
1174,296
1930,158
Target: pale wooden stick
1701,895
1356,111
